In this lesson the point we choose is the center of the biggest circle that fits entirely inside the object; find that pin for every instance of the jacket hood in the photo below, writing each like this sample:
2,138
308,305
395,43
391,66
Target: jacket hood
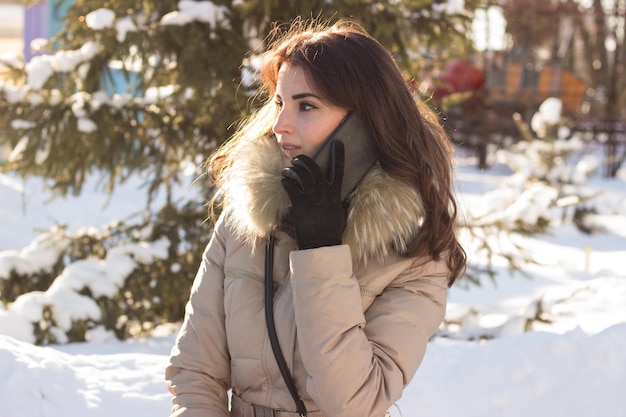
384,213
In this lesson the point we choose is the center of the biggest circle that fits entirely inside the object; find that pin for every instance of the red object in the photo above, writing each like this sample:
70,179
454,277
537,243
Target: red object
460,75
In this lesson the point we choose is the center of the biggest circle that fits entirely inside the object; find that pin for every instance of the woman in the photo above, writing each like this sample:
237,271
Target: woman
359,277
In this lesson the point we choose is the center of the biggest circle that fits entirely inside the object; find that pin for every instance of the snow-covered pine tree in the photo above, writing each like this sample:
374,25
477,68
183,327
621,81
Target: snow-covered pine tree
130,87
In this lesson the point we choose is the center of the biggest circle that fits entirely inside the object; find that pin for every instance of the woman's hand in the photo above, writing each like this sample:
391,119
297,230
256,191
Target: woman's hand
318,212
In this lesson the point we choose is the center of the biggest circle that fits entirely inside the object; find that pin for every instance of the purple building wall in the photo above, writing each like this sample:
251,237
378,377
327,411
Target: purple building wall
36,25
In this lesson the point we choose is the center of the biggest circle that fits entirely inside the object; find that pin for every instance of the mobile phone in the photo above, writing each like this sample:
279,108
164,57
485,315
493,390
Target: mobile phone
360,152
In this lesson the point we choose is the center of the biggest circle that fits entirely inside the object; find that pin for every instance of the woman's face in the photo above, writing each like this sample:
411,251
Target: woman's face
304,120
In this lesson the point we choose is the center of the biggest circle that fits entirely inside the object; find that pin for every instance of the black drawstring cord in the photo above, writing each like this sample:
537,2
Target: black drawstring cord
271,328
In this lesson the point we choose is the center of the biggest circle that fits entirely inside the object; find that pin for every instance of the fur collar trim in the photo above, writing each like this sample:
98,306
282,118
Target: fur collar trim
384,214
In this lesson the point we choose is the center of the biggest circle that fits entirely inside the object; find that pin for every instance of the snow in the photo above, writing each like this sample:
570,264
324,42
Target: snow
100,19
534,374
572,363
202,11
111,379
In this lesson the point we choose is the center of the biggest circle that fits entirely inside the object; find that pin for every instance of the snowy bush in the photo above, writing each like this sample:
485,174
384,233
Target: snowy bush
546,188
123,280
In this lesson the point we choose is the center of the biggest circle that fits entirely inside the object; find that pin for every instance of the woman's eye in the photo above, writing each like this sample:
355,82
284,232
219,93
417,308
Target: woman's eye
278,104
306,106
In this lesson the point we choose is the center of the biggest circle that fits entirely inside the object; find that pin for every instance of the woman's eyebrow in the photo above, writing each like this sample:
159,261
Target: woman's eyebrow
304,95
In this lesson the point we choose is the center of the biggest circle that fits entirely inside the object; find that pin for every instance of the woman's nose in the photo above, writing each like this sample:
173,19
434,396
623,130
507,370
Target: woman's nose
282,124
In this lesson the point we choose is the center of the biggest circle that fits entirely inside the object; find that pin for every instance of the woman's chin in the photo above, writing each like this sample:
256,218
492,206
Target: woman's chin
286,161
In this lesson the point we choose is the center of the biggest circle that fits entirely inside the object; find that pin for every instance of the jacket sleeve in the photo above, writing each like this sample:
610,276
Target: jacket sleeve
198,373
359,363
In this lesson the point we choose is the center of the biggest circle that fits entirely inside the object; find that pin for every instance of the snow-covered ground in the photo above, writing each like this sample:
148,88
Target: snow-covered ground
573,364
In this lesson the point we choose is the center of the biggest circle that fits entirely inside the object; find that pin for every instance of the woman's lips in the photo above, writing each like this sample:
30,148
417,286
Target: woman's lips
290,150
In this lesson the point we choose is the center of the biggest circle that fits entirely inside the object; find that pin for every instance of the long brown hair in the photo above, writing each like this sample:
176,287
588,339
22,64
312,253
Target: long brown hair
352,70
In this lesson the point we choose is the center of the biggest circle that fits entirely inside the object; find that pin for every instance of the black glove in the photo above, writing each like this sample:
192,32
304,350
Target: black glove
318,212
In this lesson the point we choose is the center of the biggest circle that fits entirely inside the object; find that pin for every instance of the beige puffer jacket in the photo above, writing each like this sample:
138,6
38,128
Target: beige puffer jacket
353,321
